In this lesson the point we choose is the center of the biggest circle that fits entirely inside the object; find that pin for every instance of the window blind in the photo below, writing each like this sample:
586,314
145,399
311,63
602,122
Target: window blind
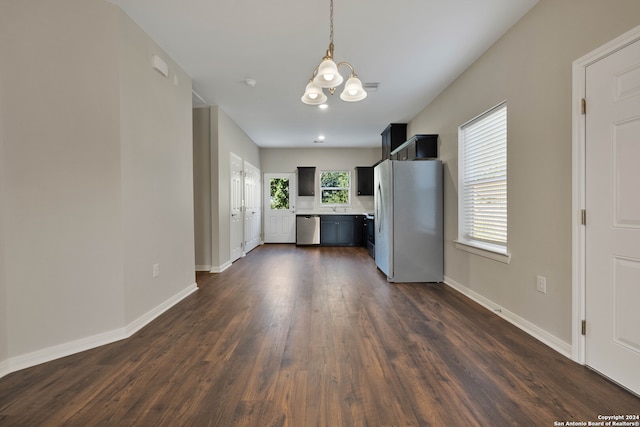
483,143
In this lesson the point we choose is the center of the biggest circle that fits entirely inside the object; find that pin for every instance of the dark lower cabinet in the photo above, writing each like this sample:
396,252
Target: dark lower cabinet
341,230
359,233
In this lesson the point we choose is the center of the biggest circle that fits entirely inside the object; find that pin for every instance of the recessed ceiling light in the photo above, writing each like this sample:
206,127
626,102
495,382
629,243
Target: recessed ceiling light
321,137
323,106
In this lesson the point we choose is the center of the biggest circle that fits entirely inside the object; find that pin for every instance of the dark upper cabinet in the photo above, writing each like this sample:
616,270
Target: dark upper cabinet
365,180
402,154
306,180
392,137
423,147
418,147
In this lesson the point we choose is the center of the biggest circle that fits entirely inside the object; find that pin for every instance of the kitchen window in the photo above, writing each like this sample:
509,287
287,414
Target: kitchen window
482,183
335,187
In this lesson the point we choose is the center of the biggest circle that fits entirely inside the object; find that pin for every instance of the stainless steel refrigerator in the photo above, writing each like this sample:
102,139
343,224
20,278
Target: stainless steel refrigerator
409,220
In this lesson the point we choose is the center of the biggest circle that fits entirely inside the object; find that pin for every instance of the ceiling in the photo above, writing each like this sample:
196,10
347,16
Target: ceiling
412,48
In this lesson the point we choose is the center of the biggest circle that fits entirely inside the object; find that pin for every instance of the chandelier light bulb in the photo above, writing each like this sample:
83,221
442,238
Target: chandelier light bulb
353,90
313,94
328,75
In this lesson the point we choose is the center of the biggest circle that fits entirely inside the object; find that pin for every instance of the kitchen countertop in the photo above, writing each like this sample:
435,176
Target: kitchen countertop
304,213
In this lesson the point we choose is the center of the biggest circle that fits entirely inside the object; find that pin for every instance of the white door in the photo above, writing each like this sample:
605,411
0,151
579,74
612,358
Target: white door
252,207
236,226
279,209
613,216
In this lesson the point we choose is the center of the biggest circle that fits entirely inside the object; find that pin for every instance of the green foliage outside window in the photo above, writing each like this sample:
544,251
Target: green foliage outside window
334,187
279,193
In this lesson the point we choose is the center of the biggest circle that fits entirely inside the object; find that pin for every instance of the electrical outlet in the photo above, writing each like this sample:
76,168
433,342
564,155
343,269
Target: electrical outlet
156,270
541,284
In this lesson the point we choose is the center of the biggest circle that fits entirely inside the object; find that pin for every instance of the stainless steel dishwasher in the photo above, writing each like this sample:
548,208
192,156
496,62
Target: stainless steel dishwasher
307,230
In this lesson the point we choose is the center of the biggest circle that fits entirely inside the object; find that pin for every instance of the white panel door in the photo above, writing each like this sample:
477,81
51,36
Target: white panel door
236,226
252,209
279,209
613,216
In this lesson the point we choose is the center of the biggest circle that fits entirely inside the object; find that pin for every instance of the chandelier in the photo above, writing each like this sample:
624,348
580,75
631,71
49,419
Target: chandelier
327,76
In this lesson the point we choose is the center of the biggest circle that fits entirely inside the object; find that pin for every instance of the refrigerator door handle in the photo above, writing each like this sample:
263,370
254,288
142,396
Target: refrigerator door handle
379,200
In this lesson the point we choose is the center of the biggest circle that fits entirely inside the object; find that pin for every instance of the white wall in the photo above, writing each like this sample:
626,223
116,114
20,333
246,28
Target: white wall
97,179
530,67
276,160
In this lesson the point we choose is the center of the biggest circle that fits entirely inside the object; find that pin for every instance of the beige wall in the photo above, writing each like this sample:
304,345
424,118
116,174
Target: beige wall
157,173
275,160
202,186
223,138
231,139
63,230
530,68
97,178
4,351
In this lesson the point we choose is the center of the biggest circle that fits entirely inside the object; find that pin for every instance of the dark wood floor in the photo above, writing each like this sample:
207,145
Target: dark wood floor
314,337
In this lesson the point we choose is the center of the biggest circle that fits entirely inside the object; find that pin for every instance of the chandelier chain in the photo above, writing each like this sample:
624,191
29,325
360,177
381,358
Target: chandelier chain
331,23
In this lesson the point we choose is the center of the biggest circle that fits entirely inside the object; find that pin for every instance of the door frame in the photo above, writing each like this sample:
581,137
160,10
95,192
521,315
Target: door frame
246,167
233,156
578,342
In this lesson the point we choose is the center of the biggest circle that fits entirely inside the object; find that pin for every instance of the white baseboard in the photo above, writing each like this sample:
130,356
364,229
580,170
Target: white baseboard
62,350
149,316
221,268
28,360
4,368
538,333
203,268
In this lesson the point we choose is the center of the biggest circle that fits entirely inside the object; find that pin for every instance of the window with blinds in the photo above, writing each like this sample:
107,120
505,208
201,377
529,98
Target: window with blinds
482,182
